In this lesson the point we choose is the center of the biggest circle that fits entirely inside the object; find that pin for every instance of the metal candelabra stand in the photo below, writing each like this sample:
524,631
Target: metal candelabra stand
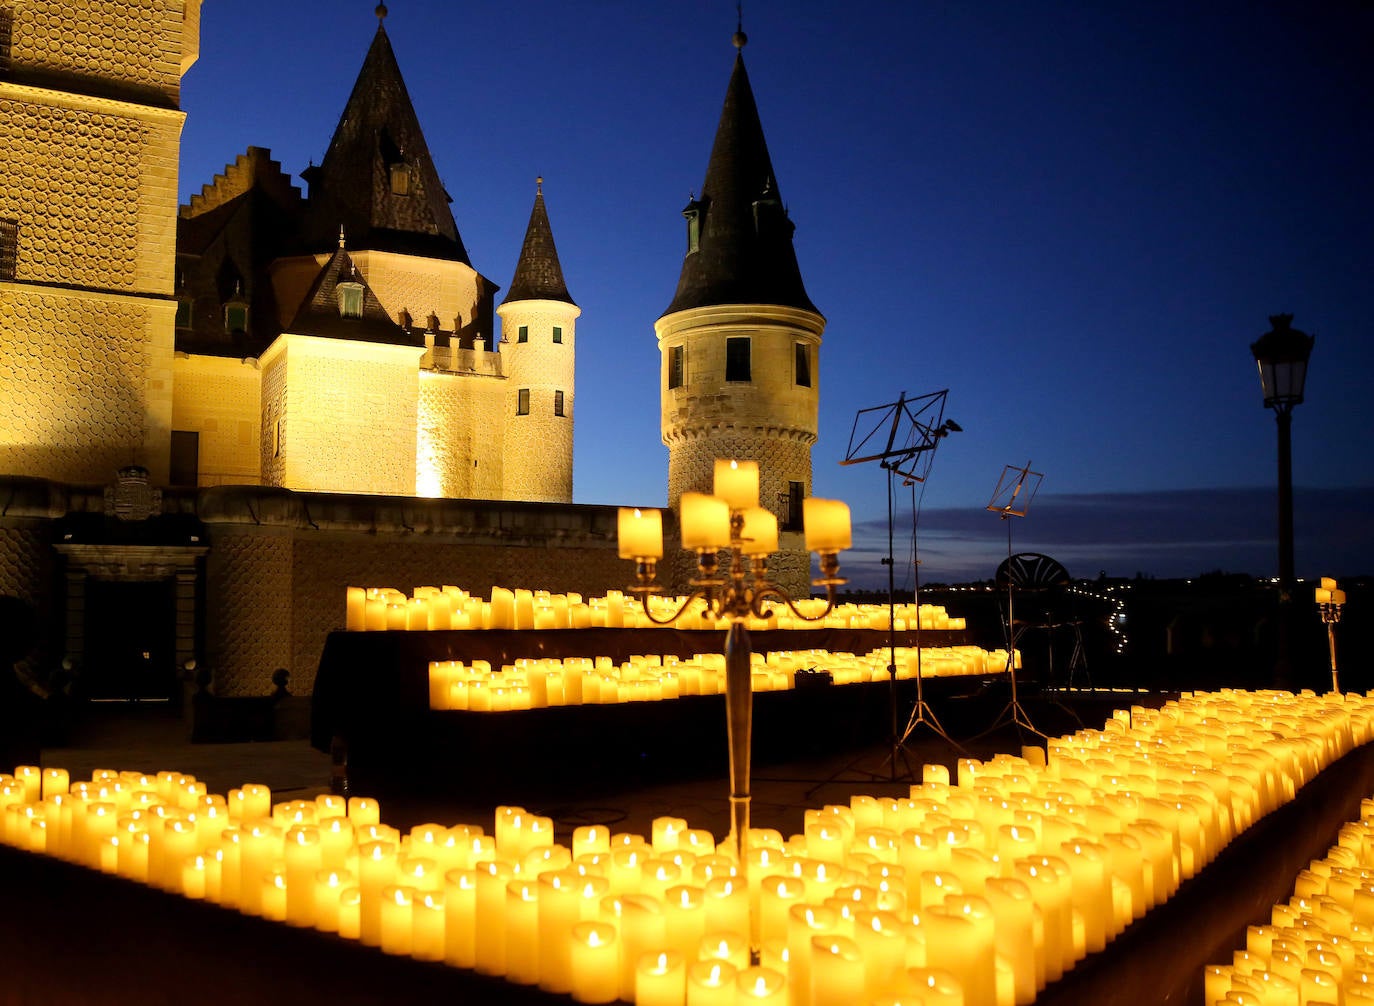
739,594
1330,600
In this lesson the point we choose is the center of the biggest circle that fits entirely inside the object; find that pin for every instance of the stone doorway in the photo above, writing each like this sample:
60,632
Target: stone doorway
130,641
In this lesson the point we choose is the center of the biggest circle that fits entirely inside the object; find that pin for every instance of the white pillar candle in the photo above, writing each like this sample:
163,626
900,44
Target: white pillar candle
711,983
355,610
329,885
460,917
376,871
522,931
837,971
489,944
660,979
755,985
303,861
760,532
594,953
705,522
826,524
640,533
736,482
396,919
427,926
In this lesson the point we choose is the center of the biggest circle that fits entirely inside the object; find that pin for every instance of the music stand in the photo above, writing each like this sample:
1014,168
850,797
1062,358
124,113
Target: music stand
1015,490
914,427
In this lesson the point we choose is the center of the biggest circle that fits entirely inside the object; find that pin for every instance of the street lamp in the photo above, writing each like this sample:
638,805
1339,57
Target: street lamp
1282,355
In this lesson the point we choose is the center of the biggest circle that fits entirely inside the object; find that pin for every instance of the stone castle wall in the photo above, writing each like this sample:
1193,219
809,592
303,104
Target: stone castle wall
458,451
538,454
89,137
280,563
220,398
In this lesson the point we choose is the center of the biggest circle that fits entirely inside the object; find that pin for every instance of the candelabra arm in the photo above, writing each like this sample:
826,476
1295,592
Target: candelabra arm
702,588
764,588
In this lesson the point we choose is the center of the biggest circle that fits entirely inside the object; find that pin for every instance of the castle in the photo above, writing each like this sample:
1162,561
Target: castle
242,347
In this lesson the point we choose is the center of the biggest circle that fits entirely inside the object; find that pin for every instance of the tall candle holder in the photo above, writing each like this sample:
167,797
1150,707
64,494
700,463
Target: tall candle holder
1330,600
750,535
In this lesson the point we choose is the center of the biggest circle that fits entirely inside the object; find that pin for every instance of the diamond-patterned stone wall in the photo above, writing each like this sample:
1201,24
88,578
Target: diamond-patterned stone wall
26,572
457,453
86,384
130,48
248,584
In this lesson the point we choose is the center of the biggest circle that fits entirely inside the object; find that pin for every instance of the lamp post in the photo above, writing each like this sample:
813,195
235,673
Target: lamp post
732,520
1282,355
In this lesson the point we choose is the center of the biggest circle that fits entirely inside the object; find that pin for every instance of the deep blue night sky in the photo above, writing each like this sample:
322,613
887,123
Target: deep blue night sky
1076,217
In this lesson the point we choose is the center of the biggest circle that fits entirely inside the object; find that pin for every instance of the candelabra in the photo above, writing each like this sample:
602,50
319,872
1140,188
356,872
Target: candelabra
1330,600
732,520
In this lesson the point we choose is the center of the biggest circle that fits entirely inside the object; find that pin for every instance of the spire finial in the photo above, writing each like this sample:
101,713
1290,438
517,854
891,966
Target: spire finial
380,12
341,235
539,185
740,39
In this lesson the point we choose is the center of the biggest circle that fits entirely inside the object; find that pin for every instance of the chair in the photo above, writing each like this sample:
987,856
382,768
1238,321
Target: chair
1042,603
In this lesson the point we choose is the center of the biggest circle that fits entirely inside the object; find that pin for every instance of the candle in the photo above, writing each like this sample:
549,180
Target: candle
489,943
826,524
594,954
837,971
522,931
705,522
303,861
376,870
711,983
640,533
760,532
760,985
427,926
355,611
329,884
558,911
660,979
460,914
395,919
737,482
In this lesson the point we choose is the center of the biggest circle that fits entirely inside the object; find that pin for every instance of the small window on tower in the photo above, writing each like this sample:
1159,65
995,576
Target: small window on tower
523,334
675,367
803,366
400,179
737,359
558,403
183,313
350,299
557,335
9,246
792,520
236,316
522,402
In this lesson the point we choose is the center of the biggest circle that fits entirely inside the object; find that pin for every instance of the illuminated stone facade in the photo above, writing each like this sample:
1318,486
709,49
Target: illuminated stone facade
89,139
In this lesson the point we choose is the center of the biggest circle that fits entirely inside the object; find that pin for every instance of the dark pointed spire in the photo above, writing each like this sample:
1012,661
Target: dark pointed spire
377,178
538,276
739,248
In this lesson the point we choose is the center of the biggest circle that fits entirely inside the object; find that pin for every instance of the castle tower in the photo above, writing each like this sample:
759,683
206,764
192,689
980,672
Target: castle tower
90,131
740,340
539,342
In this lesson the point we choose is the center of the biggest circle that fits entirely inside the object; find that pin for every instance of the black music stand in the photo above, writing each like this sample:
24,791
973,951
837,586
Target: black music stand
902,436
1015,490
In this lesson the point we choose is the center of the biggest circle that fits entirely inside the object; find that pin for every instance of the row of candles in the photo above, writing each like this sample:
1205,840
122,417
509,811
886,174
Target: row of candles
978,890
1318,947
535,683
375,609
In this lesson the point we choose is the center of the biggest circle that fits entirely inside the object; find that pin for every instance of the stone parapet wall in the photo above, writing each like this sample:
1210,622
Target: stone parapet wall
280,562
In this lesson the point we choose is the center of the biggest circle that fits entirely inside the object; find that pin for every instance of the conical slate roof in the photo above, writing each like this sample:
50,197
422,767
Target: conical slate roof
744,251
405,211
538,276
